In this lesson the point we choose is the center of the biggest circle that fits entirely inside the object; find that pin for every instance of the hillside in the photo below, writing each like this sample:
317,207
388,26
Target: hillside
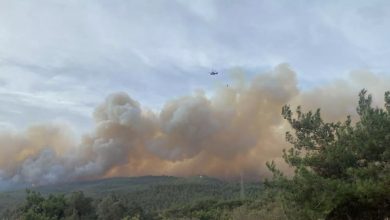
151,193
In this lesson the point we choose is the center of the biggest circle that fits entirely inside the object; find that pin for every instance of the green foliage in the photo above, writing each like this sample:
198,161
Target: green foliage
140,198
206,209
79,206
342,169
37,207
111,207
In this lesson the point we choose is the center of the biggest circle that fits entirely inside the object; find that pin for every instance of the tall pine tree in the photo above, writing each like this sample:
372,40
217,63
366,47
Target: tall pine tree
342,169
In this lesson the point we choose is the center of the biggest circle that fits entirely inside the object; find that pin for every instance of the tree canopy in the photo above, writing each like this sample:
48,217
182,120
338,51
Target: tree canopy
342,169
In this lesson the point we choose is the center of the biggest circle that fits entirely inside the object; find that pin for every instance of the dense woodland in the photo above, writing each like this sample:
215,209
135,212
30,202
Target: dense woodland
136,198
342,171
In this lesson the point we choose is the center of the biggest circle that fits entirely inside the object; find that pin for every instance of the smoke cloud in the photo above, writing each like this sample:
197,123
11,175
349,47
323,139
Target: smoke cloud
233,132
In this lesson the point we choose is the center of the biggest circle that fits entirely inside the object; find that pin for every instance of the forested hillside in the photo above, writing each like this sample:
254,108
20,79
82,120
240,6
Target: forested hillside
149,197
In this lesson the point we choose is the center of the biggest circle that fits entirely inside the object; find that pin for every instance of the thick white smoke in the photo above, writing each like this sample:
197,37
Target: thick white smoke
235,131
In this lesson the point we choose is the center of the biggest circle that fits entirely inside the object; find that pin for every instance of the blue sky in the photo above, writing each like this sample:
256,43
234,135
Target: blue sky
60,59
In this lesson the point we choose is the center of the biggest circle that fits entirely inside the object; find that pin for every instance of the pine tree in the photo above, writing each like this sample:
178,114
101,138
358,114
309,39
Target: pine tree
342,169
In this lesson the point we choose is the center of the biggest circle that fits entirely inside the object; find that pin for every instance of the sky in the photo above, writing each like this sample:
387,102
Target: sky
94,89
60,59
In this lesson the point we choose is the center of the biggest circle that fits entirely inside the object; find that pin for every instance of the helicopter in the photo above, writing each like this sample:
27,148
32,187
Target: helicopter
216,73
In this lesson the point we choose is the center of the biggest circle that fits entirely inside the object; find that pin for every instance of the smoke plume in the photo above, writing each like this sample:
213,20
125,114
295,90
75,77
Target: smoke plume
233,132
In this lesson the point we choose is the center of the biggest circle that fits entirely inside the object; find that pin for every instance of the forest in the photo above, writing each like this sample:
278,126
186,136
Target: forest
341,171
149,197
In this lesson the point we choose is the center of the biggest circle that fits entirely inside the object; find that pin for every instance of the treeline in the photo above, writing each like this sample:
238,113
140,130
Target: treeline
196,199
77,206
74,207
